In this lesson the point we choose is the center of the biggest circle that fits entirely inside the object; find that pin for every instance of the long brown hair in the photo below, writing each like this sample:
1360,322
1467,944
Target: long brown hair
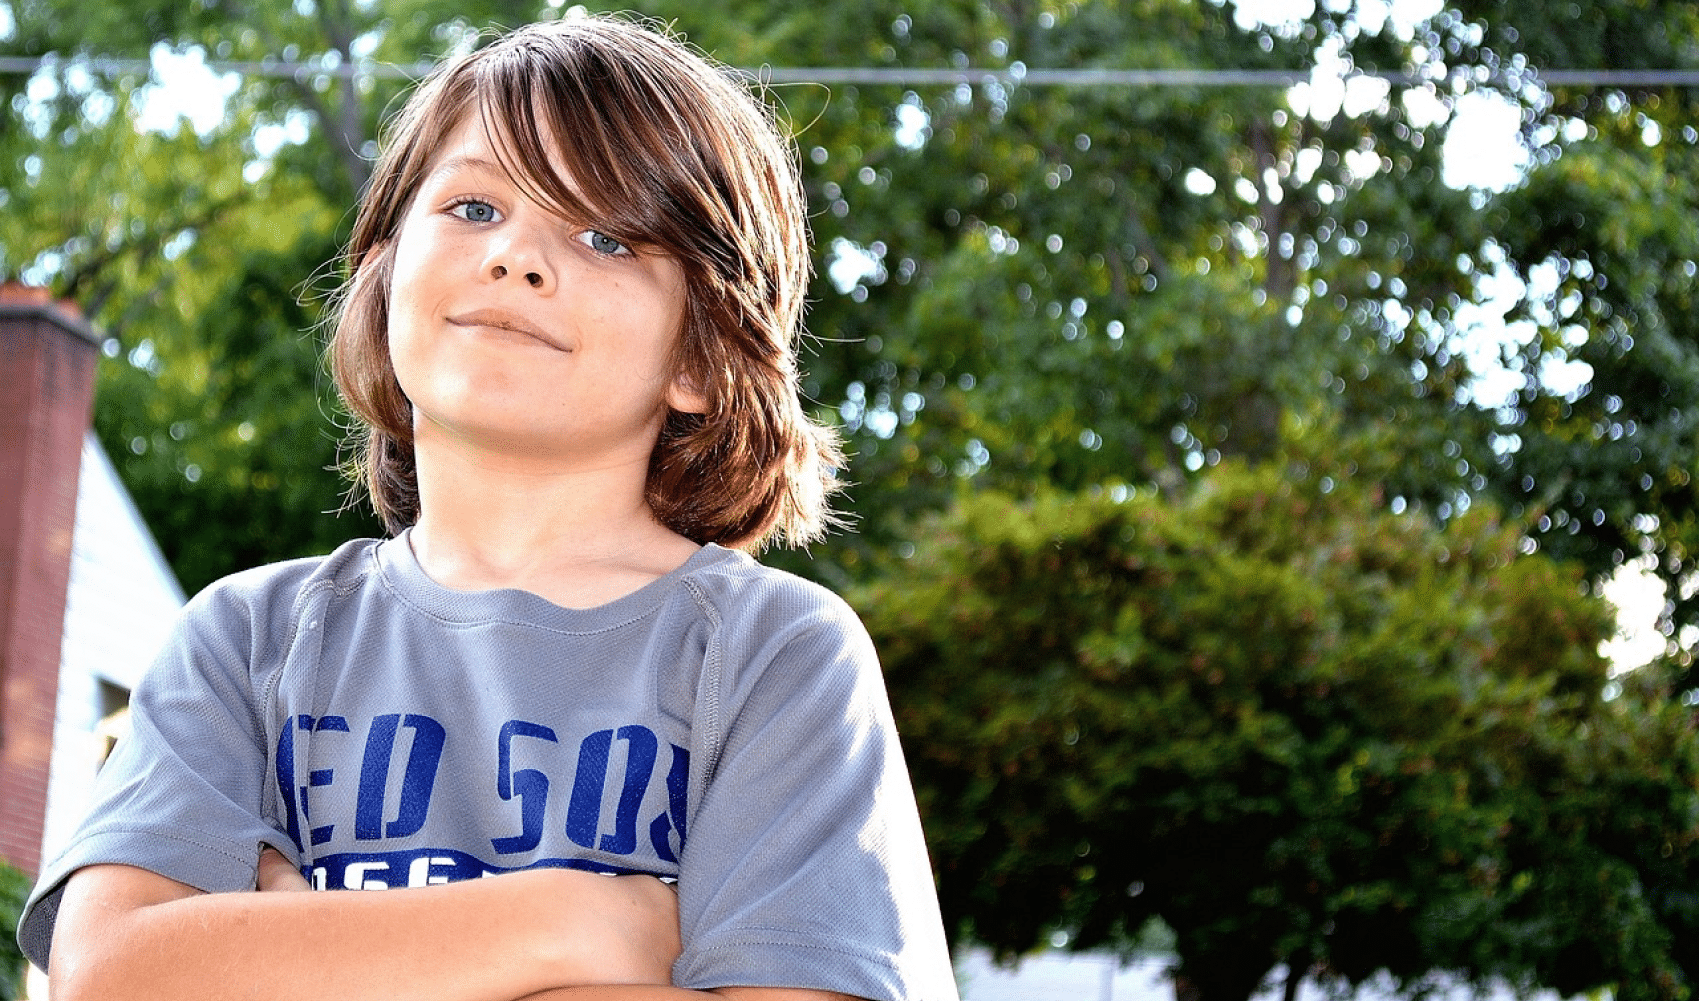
683,160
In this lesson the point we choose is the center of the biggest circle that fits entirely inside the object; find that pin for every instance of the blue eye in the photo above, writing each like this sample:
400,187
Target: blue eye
476,211
602,243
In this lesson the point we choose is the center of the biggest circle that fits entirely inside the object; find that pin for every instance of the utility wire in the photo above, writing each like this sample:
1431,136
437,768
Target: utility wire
903,76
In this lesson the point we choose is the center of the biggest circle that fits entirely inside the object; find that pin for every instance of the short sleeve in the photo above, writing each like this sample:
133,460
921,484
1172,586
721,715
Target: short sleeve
181,794
804,863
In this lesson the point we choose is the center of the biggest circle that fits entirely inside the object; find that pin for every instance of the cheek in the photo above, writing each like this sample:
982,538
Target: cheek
414,268
404,330
404,284
649,313
663,311
412,292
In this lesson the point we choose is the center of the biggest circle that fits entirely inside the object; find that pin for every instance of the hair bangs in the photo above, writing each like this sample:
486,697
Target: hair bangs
569,129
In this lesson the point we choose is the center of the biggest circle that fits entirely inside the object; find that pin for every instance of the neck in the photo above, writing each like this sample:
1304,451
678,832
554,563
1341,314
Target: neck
578,536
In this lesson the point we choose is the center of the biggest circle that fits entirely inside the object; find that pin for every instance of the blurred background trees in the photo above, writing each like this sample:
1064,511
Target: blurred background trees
1298,729
1046,316
14,890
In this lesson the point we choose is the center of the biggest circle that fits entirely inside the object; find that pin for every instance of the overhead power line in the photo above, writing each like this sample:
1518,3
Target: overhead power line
905,76
900,76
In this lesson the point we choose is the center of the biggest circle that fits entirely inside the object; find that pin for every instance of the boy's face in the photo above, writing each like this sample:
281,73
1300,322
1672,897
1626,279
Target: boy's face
518,332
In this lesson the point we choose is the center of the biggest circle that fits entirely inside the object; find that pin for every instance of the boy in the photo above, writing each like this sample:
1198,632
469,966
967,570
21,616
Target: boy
576,281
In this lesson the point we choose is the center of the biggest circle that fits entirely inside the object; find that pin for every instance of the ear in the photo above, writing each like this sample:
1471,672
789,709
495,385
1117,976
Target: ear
685,396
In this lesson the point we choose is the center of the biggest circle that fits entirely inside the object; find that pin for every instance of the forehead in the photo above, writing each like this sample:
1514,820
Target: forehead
466,145
471,144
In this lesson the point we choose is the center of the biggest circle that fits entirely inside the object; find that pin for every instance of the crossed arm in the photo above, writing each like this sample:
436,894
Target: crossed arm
538,935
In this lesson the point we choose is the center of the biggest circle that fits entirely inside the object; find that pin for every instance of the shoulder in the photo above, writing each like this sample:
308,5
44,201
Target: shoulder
257,605
780,640
740,592
765,618
340,569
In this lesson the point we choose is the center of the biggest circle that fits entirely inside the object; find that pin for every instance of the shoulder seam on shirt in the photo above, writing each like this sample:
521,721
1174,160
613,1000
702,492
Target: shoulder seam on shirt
313,598
299,610
708,713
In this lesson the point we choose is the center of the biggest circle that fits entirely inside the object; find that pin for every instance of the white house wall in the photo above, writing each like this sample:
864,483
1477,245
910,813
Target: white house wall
119,606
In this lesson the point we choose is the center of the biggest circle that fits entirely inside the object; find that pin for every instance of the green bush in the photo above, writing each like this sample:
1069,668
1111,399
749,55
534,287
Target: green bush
14,890
1298,727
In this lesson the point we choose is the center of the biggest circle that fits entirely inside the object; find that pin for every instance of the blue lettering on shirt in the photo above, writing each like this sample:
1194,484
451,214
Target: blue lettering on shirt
529,784
321,777
525,774
429,866
422,760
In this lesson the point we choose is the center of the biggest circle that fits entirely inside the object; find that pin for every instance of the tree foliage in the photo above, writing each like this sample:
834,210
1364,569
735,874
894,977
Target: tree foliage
1297,728
14,890
1086,285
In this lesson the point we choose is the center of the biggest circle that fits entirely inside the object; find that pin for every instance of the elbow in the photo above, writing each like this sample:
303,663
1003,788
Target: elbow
107,942
70,980
77,973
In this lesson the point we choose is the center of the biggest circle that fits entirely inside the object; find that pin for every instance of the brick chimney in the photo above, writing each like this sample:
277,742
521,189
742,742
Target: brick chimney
47,362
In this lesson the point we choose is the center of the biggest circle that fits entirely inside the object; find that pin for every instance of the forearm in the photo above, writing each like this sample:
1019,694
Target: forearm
124,935
646,992
621,992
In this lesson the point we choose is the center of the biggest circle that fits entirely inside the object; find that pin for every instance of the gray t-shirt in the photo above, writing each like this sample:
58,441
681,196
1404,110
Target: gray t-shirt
726,725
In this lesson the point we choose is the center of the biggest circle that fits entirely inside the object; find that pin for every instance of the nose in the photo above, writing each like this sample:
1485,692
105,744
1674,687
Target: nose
532,278
517,255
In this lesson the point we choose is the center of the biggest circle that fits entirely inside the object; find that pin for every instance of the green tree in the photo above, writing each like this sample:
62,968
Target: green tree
1087,285
14,890
1057,300
1297,728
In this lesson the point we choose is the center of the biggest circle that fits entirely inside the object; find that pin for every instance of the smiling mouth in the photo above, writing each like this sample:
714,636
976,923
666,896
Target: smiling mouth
511,323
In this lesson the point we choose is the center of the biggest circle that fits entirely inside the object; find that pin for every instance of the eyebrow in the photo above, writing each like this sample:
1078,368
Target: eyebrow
465,162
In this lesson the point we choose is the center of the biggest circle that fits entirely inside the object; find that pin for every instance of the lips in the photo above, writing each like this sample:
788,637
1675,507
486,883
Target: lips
501,319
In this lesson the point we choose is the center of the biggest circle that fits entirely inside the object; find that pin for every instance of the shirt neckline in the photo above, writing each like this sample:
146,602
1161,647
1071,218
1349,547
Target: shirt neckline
402,573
